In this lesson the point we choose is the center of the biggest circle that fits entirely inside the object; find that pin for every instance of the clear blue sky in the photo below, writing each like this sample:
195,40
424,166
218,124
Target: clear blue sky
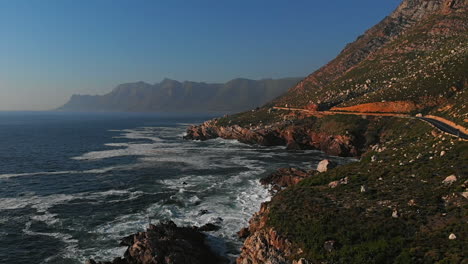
51,49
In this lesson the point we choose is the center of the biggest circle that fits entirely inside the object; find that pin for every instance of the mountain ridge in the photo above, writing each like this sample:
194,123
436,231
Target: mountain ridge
169,95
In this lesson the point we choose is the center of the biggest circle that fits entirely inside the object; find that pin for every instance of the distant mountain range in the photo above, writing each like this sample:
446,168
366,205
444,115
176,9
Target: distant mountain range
173,96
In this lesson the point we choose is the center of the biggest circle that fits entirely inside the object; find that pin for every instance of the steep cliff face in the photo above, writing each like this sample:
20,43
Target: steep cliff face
264,245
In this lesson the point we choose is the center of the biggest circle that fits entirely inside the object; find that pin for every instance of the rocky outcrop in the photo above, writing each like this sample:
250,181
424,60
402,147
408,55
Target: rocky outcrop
285,177
166,243
264,245
293,136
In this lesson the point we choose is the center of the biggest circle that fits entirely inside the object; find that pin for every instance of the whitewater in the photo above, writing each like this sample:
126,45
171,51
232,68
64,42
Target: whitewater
72,185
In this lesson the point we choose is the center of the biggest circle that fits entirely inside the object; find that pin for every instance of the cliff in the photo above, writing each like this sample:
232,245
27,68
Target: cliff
173,96
339,137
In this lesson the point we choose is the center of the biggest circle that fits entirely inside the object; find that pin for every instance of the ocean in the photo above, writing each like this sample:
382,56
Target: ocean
73,184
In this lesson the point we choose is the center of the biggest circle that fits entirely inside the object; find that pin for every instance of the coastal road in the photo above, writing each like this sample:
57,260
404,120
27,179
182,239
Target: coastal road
447,128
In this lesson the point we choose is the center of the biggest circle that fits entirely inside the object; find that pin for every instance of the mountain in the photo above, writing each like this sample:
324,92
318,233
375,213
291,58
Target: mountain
173,96
418,54
405,199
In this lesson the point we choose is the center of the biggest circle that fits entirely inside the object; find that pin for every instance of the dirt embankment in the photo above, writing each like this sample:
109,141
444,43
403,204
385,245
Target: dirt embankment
381,107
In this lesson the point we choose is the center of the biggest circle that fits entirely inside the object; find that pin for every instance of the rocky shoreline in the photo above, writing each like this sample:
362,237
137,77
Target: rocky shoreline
293,135
167,243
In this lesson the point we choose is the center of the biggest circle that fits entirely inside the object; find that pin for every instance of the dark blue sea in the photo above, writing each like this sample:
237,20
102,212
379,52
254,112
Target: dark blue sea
73,184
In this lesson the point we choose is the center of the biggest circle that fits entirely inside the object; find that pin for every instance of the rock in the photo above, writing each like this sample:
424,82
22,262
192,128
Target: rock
449,179
127,241
452,236
344,180
325,165
465,195
363,188
243,233
334,184
166,243
395,213
293,134
373,158
442,153
209,227
285,177
293,146
203,212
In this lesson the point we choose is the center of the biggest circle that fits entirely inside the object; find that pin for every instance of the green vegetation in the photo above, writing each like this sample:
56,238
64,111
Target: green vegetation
427,65
406,176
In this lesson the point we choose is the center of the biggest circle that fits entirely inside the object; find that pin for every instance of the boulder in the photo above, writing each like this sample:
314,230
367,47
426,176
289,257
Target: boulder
449,179
326,165
452,236
363,188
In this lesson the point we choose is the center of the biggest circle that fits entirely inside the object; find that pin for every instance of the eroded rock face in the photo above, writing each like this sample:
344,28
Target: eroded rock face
264,245
282,134
285,177
166,243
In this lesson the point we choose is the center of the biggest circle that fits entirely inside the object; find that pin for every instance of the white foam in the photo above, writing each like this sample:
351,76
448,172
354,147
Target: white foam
42,203
234,197
45,173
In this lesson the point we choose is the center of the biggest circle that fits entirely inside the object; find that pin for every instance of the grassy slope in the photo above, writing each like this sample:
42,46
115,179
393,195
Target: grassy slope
311,213
422,65
427,65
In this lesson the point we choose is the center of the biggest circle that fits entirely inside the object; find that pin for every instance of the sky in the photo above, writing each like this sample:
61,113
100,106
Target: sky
51,49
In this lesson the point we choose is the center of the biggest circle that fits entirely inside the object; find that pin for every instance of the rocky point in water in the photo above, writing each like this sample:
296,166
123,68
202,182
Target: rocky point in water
166,243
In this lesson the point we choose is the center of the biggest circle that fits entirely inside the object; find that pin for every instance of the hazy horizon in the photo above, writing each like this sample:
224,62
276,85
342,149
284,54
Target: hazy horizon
68,47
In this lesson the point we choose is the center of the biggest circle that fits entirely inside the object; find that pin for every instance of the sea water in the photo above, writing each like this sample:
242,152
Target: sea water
73,184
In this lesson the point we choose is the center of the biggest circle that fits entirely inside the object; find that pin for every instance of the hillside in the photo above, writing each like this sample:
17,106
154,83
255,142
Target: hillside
418,54
173,96
405,200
